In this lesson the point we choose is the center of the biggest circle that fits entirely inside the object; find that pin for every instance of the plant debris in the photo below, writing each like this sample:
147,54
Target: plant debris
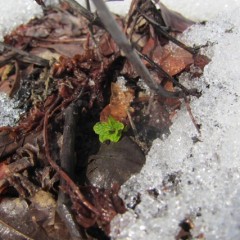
68,73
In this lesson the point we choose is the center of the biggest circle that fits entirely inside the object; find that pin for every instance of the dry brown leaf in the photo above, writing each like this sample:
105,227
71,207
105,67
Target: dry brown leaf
172,59
149,47
107,46
5,87
119,103
169,86
175,20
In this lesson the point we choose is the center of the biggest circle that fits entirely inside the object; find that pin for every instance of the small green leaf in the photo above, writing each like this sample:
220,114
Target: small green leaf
110,130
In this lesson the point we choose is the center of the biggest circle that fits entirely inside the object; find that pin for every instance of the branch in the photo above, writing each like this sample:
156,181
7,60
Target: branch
20,55
159,69
160,29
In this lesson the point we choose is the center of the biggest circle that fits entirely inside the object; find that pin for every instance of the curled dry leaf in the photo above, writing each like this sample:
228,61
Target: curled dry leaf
16,222
175,20
120,101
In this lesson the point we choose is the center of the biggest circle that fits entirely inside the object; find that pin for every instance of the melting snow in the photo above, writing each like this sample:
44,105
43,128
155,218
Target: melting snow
14,13
190,175
8,110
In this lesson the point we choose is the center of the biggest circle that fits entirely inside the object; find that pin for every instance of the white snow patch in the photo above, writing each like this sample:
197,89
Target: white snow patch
14,13
9,113
121,81
200,10
206,173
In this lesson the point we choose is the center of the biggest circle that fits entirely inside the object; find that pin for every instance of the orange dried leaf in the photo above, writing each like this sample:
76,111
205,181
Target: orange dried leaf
169,86
119,104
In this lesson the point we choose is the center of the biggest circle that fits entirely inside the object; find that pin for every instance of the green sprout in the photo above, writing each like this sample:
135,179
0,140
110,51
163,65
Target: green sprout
110,130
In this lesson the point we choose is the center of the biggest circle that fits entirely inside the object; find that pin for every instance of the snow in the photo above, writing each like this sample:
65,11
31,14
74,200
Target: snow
206,167
9,111
207,172
14,13
201,10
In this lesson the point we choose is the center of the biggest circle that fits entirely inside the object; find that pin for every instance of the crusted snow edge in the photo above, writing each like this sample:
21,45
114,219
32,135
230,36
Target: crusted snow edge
208,170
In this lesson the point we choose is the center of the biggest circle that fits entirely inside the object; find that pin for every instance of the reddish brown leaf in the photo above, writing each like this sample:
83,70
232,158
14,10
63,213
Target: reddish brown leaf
201,61
172,59
107,46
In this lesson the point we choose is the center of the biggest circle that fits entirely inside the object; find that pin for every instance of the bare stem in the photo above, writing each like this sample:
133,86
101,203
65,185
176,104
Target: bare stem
20,55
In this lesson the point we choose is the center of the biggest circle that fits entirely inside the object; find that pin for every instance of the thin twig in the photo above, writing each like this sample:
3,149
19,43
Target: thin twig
22,56
132,125
16,82
159,69
186,100
61,40
87,2
68,157
160,29
6,58
150,102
